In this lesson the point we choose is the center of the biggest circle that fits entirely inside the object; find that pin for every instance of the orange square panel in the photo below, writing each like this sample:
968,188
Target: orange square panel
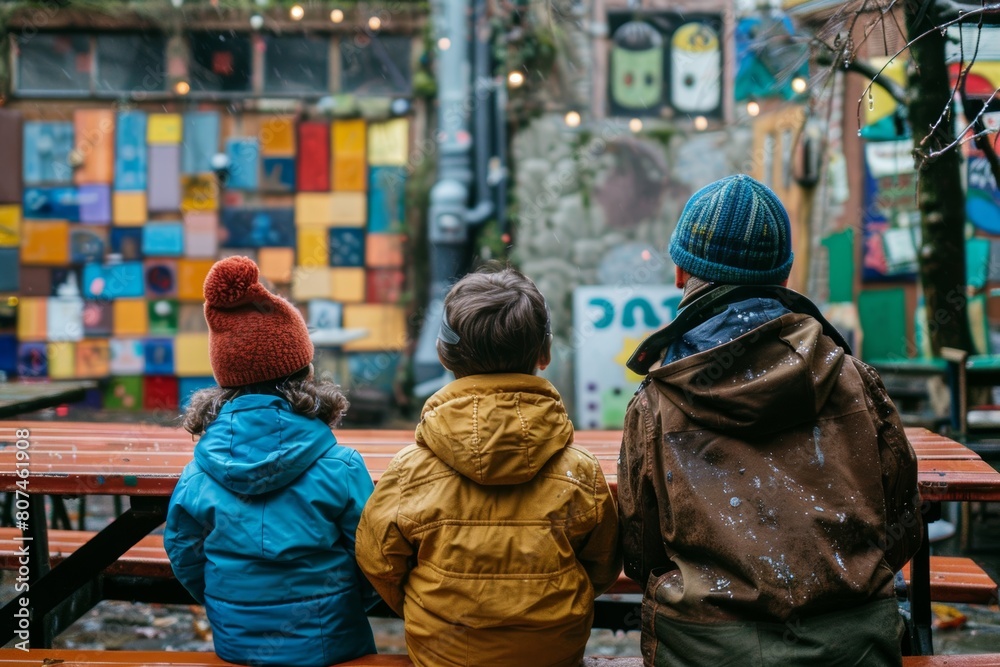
384,250
276,264
45,243
93,358
191,278
130,317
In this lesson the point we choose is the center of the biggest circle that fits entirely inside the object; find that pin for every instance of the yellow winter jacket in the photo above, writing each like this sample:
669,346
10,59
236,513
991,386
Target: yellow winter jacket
493,533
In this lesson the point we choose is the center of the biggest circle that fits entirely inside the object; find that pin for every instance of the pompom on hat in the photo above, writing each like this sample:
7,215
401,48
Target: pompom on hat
254,336
734,231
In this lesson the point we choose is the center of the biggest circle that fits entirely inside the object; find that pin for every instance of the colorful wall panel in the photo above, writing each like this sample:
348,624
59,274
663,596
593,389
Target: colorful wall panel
47,146
130,151
94,134
201,141
108,259
12,148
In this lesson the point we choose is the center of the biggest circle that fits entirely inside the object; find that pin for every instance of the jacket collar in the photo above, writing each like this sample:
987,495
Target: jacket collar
711,300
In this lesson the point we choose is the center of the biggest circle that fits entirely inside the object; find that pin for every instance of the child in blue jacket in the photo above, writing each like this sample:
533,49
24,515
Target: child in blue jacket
261,525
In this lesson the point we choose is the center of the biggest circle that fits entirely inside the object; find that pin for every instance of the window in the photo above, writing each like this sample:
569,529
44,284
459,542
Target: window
53,63
131,63
376,65
296,64
56,64
220,61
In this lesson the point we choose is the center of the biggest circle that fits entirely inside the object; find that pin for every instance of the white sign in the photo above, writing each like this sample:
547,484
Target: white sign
609,322
889,158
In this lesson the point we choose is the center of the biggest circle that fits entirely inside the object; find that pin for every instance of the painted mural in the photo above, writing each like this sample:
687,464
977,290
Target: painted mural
768,57
665,61
110,222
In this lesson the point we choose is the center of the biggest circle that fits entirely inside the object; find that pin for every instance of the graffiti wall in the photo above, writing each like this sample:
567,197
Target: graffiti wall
110,220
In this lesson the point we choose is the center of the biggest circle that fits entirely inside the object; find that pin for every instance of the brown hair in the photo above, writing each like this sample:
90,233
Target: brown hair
501,321
318,399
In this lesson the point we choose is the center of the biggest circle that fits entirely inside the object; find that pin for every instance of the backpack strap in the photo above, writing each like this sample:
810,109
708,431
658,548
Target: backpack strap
714,303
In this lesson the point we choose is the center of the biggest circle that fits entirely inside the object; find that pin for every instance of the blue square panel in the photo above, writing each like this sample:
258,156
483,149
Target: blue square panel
347,246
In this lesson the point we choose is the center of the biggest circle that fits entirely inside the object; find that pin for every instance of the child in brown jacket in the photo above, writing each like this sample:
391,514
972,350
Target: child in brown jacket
767,491
492,535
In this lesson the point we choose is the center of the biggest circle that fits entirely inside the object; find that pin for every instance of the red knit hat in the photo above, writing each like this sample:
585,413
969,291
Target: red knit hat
254,336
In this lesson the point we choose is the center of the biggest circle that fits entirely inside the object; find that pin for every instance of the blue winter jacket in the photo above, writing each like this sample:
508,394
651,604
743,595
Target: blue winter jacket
261,531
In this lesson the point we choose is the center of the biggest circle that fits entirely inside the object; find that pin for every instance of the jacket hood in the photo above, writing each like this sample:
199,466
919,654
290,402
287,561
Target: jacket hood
258,444
774,377
495,429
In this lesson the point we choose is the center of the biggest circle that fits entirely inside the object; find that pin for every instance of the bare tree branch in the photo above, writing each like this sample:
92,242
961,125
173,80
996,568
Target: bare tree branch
950,9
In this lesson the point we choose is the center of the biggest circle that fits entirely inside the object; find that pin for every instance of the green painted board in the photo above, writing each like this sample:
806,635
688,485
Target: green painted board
163,317
124,393
977,261
883,321
840,247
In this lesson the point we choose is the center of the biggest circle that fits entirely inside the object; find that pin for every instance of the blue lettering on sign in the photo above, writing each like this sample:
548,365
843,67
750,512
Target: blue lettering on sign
637,312
649,317
608,312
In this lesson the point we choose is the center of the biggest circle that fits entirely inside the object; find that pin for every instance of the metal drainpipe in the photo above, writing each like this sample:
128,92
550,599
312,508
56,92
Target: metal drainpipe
448,229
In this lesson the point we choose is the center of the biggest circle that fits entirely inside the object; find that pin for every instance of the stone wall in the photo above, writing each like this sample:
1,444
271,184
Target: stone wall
589,197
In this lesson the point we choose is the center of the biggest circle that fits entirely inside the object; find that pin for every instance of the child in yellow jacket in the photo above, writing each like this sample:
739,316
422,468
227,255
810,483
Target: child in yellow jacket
492,535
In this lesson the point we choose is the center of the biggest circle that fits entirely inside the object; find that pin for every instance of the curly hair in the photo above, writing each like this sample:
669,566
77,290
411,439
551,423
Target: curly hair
318,399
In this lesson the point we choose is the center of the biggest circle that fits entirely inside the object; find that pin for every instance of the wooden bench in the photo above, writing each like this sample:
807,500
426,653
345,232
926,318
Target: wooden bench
74,657
953,579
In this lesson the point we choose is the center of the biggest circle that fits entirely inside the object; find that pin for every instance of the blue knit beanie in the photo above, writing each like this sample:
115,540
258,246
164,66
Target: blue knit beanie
734,231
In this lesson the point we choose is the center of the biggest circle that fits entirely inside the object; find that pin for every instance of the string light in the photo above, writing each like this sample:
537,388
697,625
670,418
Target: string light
444,44
573,119
515,79
700,123
296,12
182,87
635,125
374,23
337,15
752,108
799,85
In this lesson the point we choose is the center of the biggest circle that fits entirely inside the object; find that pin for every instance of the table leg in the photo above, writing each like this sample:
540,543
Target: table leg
920,587
83,566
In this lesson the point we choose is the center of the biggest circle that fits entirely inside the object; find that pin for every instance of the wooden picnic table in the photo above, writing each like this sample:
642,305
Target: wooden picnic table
144,463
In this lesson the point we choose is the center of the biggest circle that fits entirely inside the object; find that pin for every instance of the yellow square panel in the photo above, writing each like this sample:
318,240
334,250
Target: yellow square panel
389,143
347,285
385,324
129,209
191,278
314,246
199,192
276,264
164,128
130,317
313,208
348,209
191,355
277,136
32,318
45,243
310,282
348,138
10,225
62,360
